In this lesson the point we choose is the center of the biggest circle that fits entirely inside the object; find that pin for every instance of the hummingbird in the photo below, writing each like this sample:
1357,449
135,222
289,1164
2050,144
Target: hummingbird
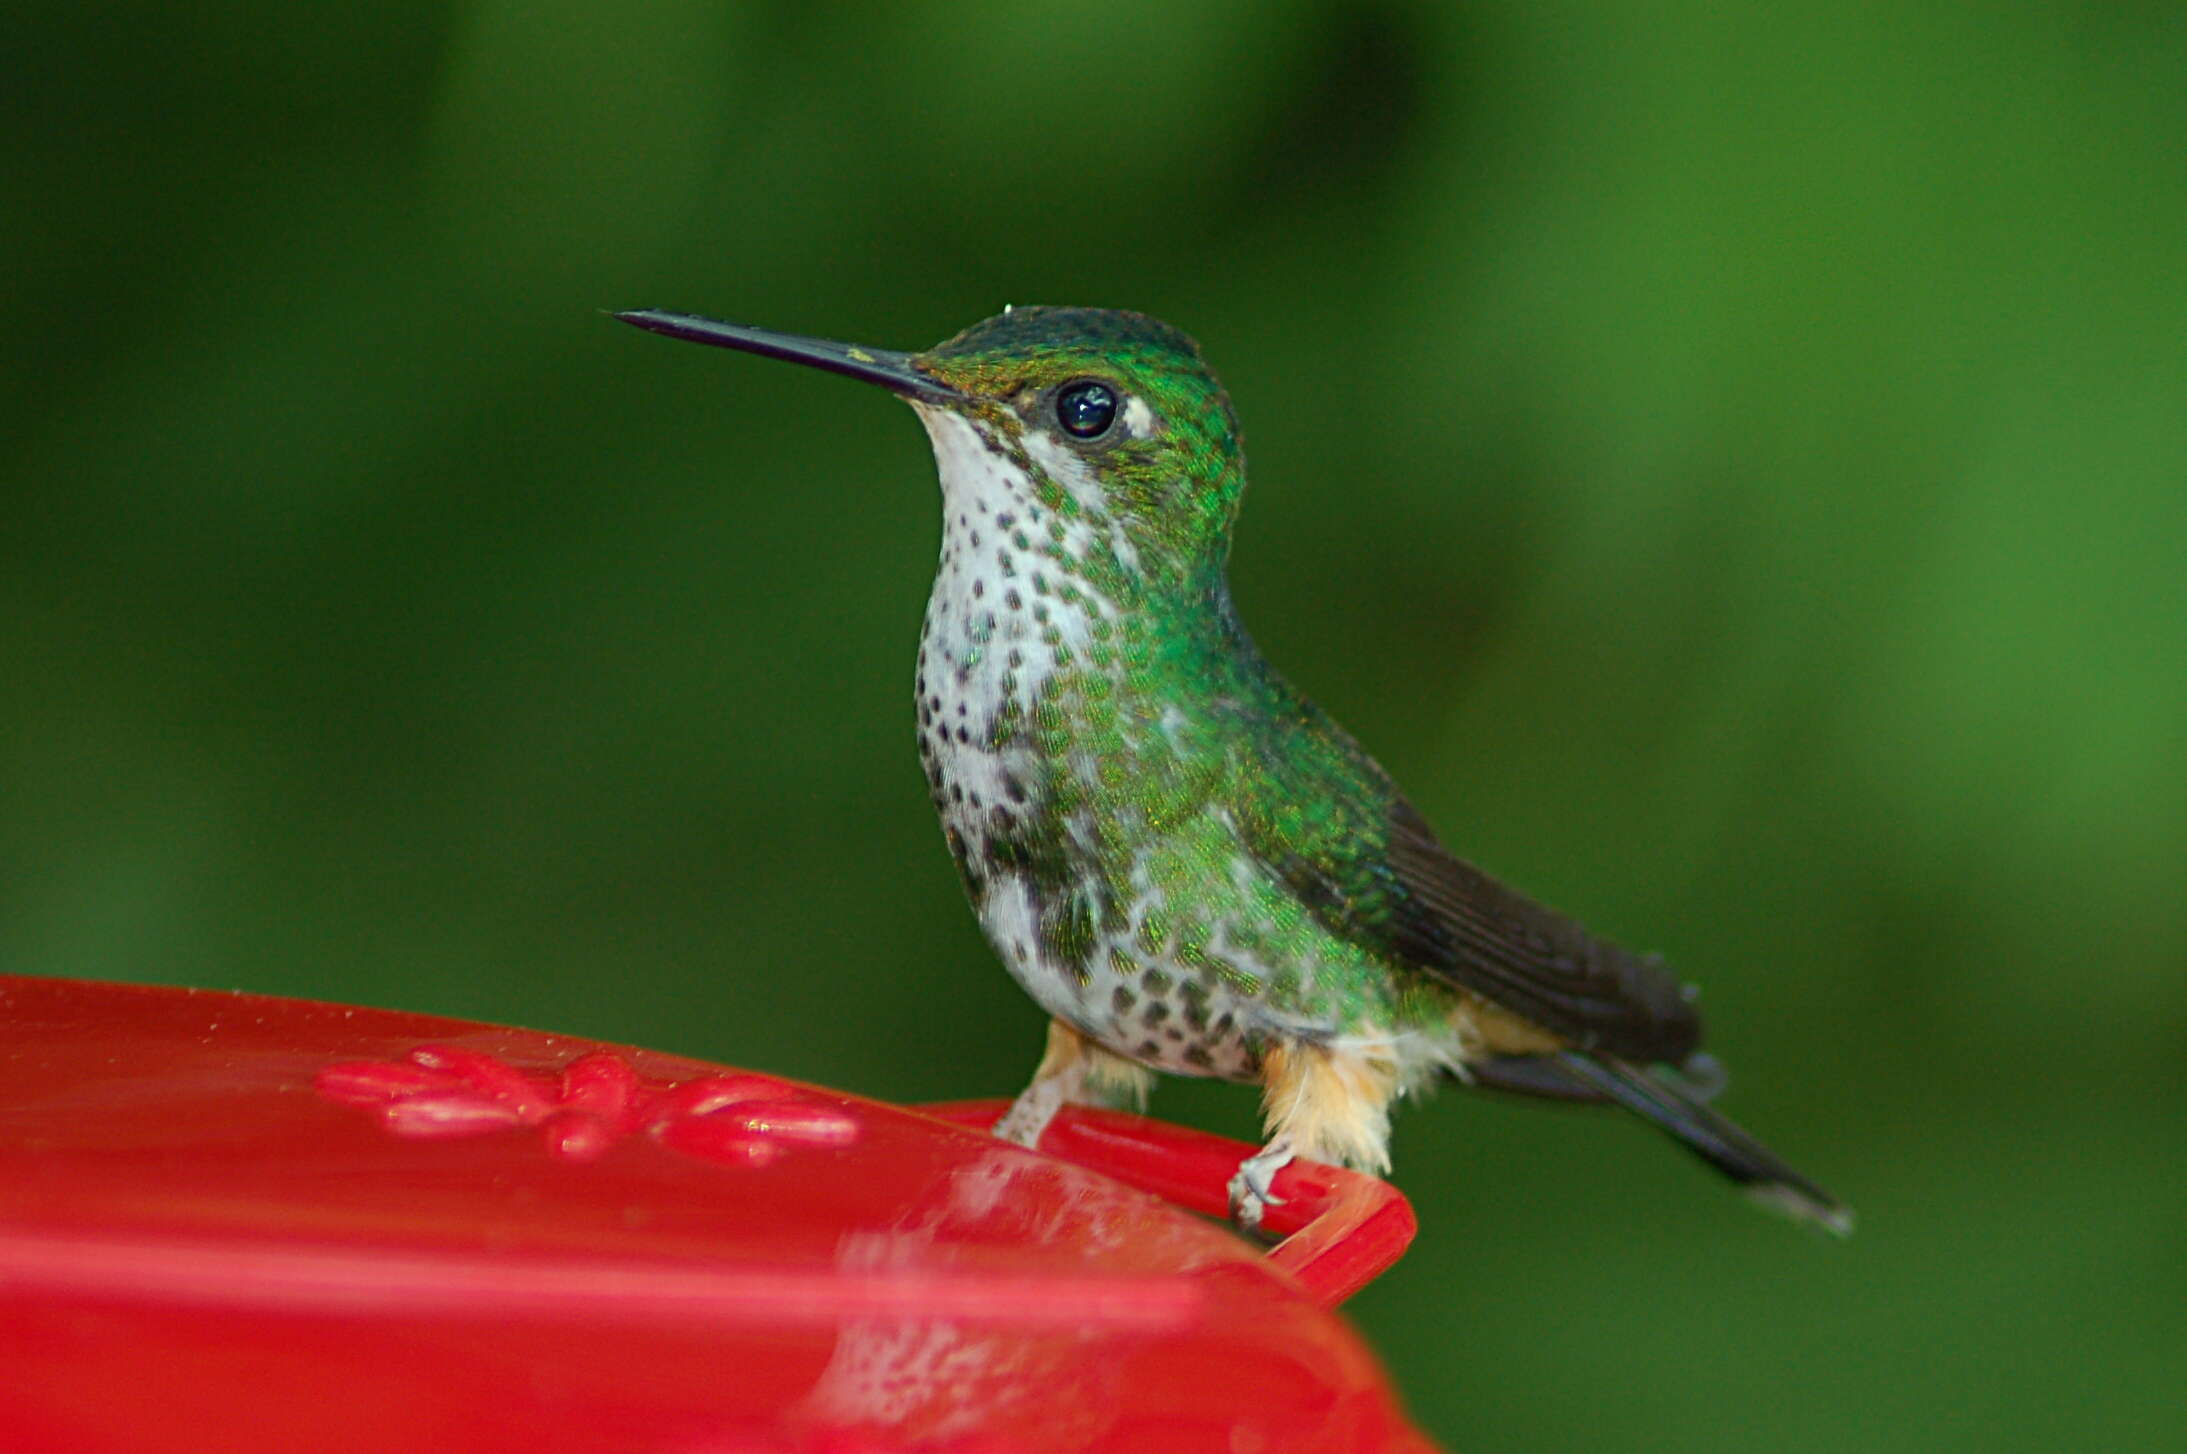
1188,865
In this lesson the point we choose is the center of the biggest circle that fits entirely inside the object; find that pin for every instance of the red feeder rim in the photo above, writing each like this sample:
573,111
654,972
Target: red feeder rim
238,1222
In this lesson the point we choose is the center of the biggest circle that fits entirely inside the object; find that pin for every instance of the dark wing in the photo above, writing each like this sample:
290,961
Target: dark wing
1369,868
1455,921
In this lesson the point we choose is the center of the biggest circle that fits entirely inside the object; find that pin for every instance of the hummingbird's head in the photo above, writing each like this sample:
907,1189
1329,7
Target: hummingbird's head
1112,418
1104,428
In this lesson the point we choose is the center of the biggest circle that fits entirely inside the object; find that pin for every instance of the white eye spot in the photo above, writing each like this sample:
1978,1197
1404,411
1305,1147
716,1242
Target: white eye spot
1138,418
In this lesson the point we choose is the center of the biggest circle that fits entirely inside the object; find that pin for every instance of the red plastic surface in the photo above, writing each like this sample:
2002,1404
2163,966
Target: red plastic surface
233,1222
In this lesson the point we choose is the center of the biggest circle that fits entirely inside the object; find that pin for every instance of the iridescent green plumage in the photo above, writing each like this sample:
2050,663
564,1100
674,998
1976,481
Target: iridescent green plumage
1189,865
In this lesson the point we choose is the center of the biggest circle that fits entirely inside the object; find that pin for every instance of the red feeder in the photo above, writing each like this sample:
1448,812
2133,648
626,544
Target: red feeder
235,1222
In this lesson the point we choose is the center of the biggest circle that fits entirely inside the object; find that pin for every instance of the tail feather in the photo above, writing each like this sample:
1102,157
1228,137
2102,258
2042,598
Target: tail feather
1678,1103
1681,1108
1701,1077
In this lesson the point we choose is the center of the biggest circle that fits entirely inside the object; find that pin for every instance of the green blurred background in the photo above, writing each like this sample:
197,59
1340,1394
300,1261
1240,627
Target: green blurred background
1732,466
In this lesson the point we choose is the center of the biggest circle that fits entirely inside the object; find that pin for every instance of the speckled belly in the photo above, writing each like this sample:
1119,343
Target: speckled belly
1144,1006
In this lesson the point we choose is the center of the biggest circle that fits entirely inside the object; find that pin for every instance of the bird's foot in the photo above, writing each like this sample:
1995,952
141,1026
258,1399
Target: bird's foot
1252,1189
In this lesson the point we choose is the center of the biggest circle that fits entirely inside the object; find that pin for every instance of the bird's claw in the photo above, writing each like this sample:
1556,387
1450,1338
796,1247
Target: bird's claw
1252,1189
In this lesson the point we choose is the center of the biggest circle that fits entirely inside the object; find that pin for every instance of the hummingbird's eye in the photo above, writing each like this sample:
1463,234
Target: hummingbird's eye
1086,410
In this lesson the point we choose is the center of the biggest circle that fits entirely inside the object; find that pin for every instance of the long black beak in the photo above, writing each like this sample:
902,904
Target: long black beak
883,366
